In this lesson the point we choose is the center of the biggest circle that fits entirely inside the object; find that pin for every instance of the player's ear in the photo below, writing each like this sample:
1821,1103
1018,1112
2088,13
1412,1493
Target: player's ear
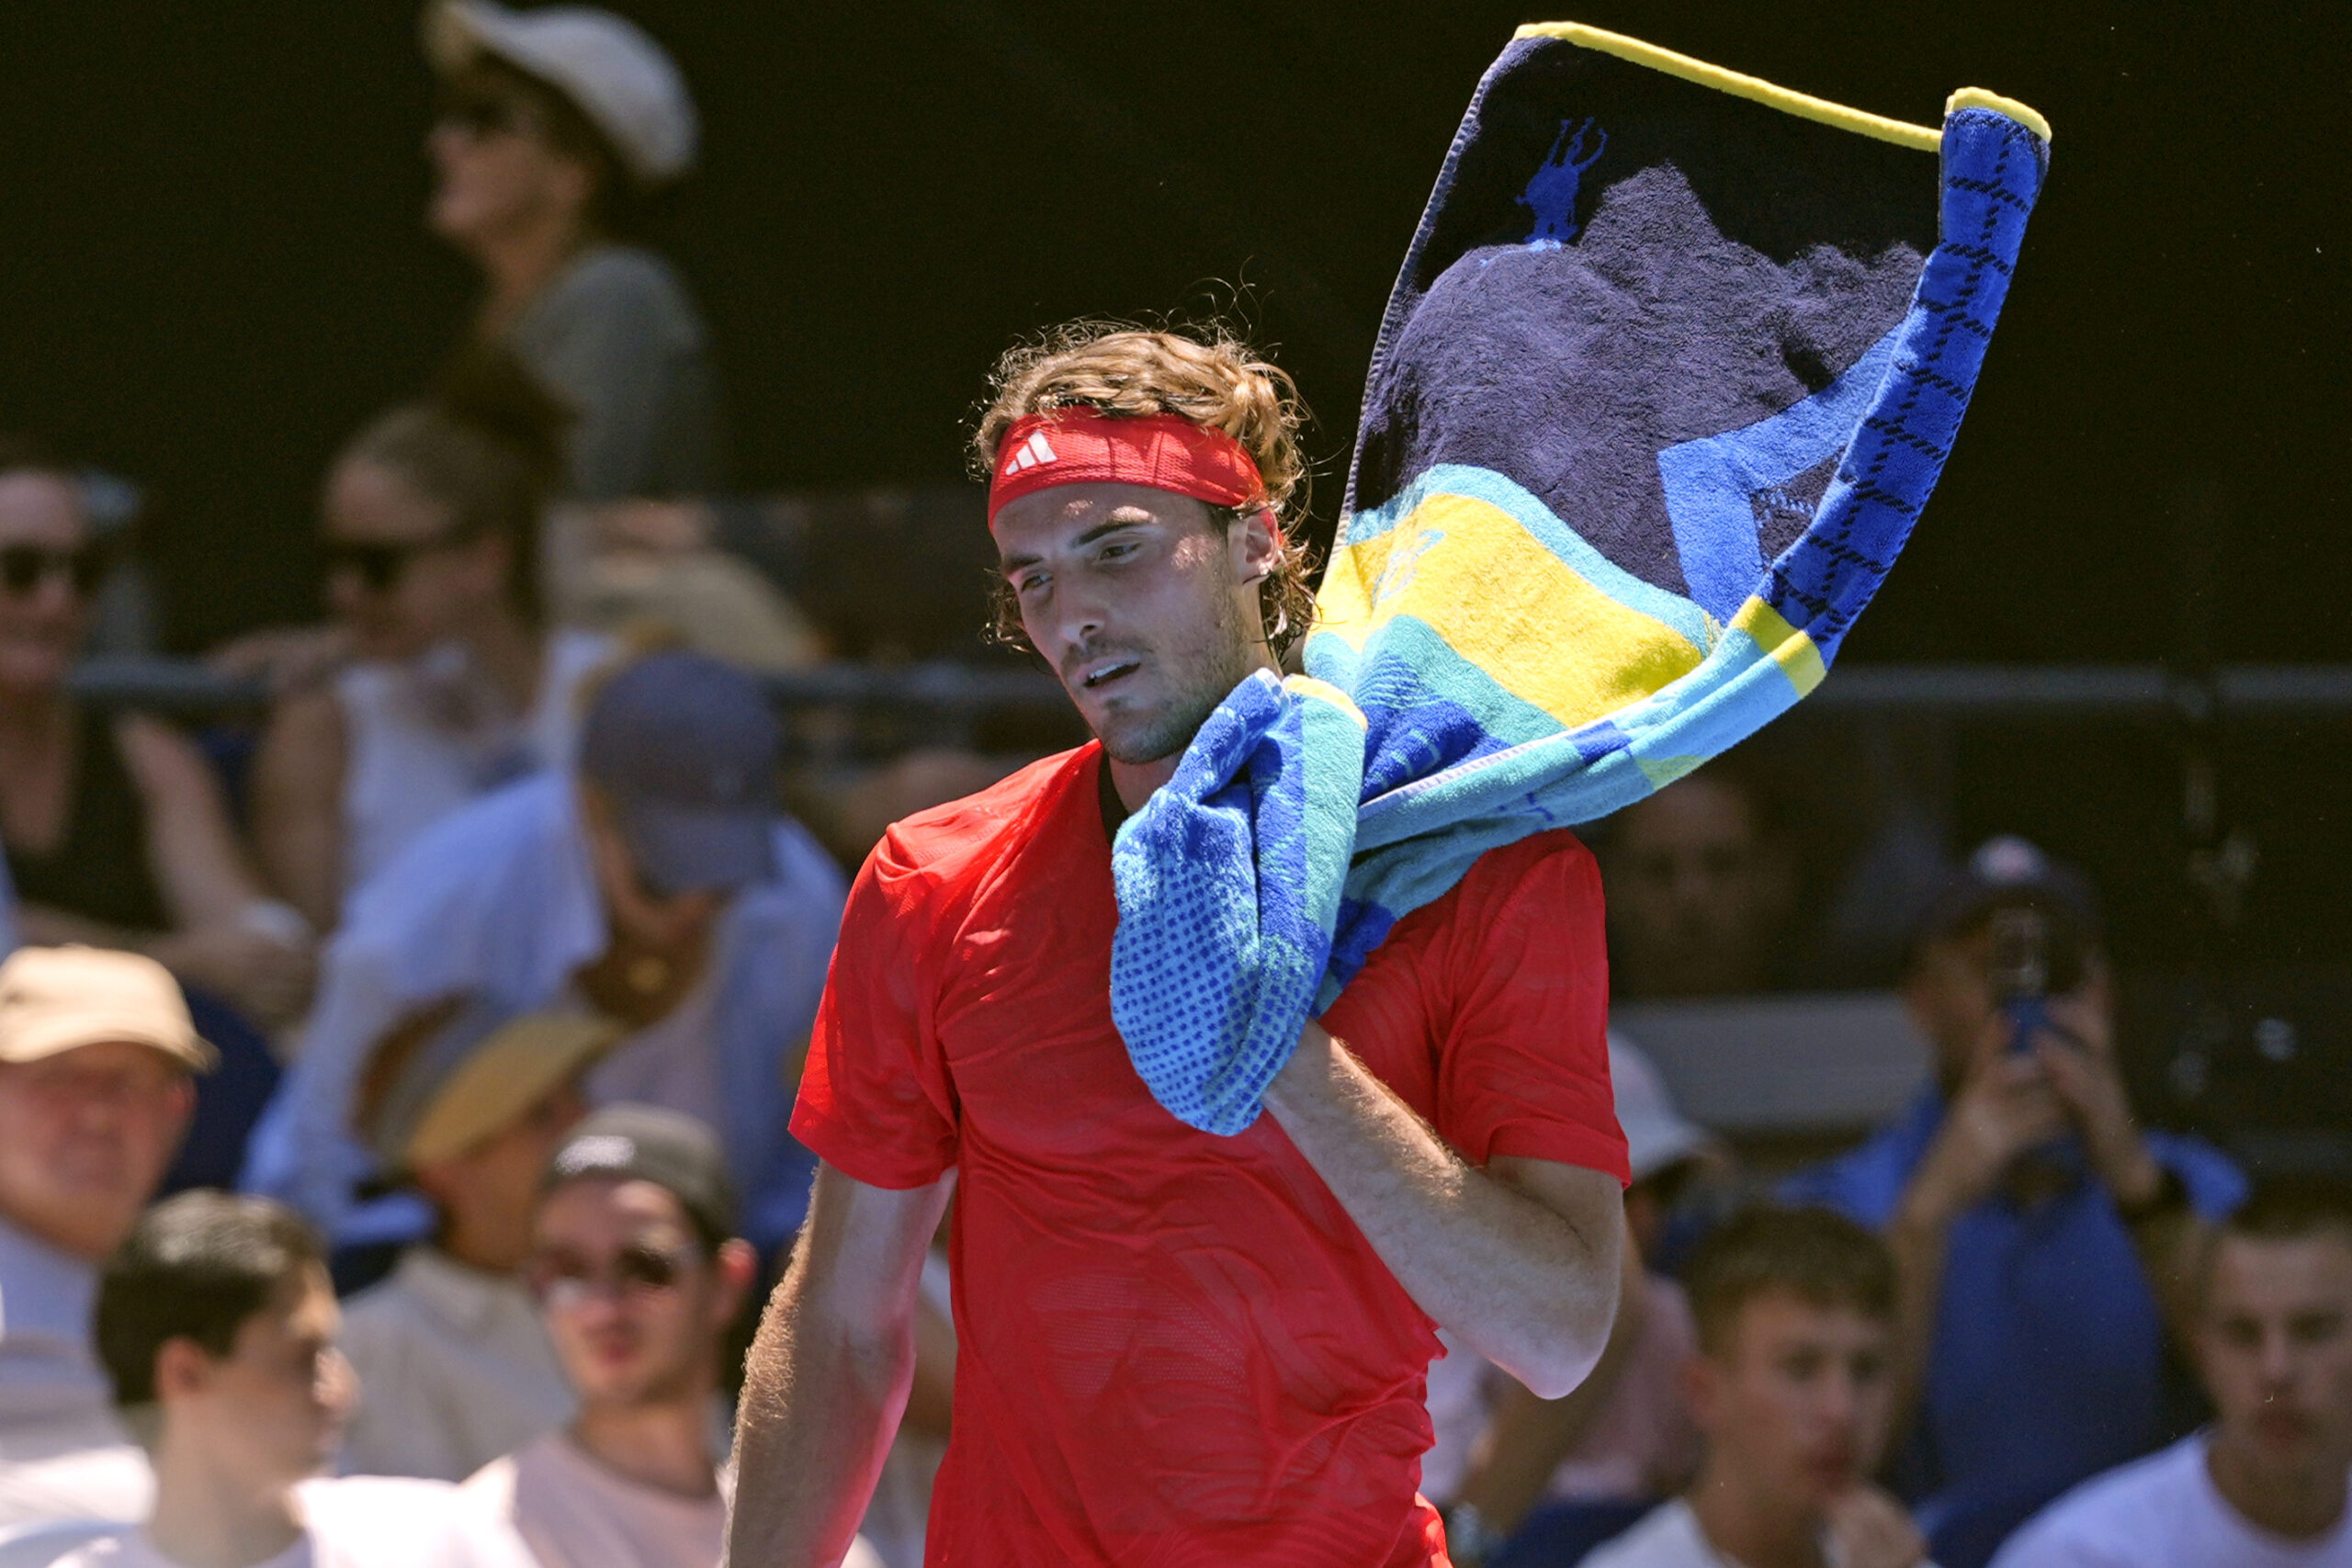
1257,540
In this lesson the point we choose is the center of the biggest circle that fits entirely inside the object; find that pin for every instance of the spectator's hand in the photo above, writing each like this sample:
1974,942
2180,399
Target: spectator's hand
1869,1529
264,976
2007,1107
284,658
2078,1055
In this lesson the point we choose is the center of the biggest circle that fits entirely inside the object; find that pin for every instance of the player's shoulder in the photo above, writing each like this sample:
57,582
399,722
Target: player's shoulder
1546,868
950,843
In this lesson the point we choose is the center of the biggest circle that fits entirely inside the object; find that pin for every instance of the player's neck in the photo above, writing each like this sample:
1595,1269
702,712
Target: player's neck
1748,1525
1137,781
2300,1505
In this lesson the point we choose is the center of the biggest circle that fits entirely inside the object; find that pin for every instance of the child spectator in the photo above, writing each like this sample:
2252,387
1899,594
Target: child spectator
467,1101
2265,1486
116,830
639,1274
660,885
1792,1390
218,1327
96,1049
431,520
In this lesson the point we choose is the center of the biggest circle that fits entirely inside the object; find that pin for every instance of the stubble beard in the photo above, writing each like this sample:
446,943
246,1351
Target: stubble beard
1199,679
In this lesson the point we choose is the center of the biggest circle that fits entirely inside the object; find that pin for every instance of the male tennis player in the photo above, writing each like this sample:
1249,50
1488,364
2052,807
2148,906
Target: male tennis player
1173,1348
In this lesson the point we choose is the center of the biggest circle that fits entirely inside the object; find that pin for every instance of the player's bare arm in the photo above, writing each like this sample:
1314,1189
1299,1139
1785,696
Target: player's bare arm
836,1351
1522,1259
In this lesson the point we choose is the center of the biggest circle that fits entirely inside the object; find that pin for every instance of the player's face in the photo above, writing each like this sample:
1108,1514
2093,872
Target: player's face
1143,605
1800,1399
2276,1347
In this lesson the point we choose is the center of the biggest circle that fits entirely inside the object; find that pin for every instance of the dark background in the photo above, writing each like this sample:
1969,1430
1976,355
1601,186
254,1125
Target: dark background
214,270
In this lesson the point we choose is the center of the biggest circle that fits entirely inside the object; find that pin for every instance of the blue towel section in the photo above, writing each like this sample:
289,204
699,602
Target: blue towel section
1669,375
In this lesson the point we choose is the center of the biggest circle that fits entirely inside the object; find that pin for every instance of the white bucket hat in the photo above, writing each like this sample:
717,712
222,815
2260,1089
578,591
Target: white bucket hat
619,77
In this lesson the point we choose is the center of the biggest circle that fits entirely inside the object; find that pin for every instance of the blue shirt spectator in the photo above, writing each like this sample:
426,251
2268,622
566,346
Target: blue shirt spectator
560,890
2043,1239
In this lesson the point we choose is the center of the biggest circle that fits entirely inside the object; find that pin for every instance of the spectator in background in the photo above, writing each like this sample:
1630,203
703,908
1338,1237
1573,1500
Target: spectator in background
467,1102
660,885
1792,1388
2266,1485
115,831
639,1272
550,121
96,1053
1700,889
1625,1435
218,1327
432,519
2043,1240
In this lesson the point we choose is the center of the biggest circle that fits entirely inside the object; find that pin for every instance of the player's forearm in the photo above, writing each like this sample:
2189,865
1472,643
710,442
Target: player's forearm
1529,1288
821,1397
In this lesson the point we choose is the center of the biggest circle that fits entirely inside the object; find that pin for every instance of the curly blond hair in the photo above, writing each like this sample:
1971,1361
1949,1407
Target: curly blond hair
1209,376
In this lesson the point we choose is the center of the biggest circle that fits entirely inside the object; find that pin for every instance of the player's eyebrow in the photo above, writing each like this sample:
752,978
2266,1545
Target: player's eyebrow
1136,518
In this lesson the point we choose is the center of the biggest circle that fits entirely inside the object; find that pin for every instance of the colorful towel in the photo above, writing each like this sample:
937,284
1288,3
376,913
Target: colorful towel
1673,364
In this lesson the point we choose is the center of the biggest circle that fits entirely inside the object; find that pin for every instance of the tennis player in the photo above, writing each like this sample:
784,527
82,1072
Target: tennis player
1173,1348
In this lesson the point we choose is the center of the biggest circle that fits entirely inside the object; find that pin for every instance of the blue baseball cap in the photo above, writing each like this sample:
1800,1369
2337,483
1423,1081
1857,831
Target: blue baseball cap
685,750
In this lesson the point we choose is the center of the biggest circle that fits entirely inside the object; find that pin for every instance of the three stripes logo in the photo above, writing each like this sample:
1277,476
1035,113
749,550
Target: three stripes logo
1031,452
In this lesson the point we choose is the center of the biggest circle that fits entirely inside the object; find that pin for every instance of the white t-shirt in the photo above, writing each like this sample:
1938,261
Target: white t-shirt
424,738
358,1522
1667,1537
2158,1512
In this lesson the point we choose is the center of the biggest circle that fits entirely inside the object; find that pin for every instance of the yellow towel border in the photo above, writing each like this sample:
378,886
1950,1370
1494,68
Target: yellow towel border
1924,137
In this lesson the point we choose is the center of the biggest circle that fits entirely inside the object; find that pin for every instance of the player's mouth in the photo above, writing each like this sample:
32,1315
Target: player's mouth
1096,677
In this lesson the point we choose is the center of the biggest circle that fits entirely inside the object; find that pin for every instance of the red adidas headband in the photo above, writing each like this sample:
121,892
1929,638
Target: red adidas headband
1079,445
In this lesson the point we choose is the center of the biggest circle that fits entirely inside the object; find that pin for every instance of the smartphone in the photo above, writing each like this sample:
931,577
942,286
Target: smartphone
2019,971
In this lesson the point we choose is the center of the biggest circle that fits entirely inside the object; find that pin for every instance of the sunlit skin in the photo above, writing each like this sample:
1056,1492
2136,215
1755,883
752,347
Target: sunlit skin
627,1347
40,632
239,1430
84,1137
2275,1346
488,1194
1145,610
1795,1409
442,589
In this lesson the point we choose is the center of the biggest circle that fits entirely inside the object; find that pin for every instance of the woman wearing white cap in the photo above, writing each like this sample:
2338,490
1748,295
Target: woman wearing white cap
551,119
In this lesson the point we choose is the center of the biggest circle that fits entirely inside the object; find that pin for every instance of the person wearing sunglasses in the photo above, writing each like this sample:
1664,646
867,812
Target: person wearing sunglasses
639,1277
657,882
116,830
553,123
430,520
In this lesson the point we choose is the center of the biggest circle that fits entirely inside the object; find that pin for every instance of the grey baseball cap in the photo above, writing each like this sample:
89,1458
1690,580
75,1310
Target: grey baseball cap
647,1142
685,750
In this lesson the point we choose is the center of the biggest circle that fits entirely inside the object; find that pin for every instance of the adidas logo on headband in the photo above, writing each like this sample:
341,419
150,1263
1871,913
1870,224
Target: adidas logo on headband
1031,452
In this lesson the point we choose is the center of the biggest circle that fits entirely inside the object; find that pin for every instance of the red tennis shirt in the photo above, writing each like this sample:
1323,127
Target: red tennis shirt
1175,1349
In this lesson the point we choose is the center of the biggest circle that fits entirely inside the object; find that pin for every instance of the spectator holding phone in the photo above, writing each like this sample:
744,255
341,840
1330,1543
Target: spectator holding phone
2045,1242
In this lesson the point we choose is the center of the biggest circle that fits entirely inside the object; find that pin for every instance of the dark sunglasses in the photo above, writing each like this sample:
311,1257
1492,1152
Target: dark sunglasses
379,567
562,1283
24,568
482,116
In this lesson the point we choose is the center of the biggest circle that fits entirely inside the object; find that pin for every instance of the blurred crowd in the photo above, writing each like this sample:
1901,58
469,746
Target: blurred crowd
393,1100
